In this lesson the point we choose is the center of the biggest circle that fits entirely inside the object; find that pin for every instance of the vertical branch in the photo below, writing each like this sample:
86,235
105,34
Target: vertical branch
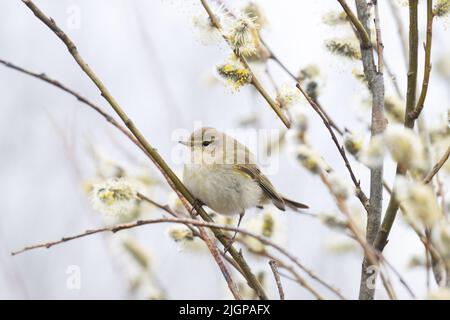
413,63
419,107
375,80
391,211
427,65
276,274
380,45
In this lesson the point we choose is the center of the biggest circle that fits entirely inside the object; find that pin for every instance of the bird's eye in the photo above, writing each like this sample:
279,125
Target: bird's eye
206,143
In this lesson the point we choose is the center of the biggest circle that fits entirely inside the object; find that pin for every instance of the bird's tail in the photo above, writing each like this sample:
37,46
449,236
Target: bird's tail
294,205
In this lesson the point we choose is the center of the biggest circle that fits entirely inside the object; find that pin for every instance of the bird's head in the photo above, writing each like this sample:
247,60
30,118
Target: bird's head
209,145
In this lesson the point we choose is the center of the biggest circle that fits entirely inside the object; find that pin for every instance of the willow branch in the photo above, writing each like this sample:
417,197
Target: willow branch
378,48
170,176
79,97
130,225
437,167
359,193
276,275
380,45
427,64
373,256
219,260
200,233
279,262
185,221
254,80
178,219
391,211
290,74
363,34
298,278
375,81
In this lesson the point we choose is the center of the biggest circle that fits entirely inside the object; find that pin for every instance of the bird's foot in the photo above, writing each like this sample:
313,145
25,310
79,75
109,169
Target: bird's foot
230,242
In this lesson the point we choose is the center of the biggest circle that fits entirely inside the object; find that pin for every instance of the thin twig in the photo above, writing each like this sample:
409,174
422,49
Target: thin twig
380,45
219,260
188,222
299,279
427,64
195,232
130,225
360,194
254,80
289,73
378,48
276,275
215,252
363,34
185,221
393,78
373,256
329,122
79,97
172,179
437,167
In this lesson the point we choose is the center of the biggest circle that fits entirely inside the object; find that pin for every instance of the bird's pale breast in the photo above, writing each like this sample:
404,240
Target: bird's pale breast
222,188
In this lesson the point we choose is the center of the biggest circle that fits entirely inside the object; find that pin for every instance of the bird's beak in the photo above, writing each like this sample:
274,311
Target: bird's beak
185,143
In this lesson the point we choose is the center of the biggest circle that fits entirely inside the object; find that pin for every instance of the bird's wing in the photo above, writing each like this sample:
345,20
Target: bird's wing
269,190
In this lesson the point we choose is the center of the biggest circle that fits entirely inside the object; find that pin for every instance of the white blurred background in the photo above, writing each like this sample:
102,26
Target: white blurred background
156,66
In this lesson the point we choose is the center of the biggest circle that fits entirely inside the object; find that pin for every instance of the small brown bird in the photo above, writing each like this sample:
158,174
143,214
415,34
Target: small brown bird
223,175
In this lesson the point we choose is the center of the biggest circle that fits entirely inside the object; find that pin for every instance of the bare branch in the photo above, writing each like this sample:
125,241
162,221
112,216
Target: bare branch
219,260
391,211
289,73
79,97
166,208
256,83
359,193
427,64
437,167
273,266
373,256
375,81
380,45
185,221
299,279
363,34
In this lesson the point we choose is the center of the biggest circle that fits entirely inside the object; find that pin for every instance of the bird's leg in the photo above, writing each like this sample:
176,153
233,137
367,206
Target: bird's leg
195,206
230,243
